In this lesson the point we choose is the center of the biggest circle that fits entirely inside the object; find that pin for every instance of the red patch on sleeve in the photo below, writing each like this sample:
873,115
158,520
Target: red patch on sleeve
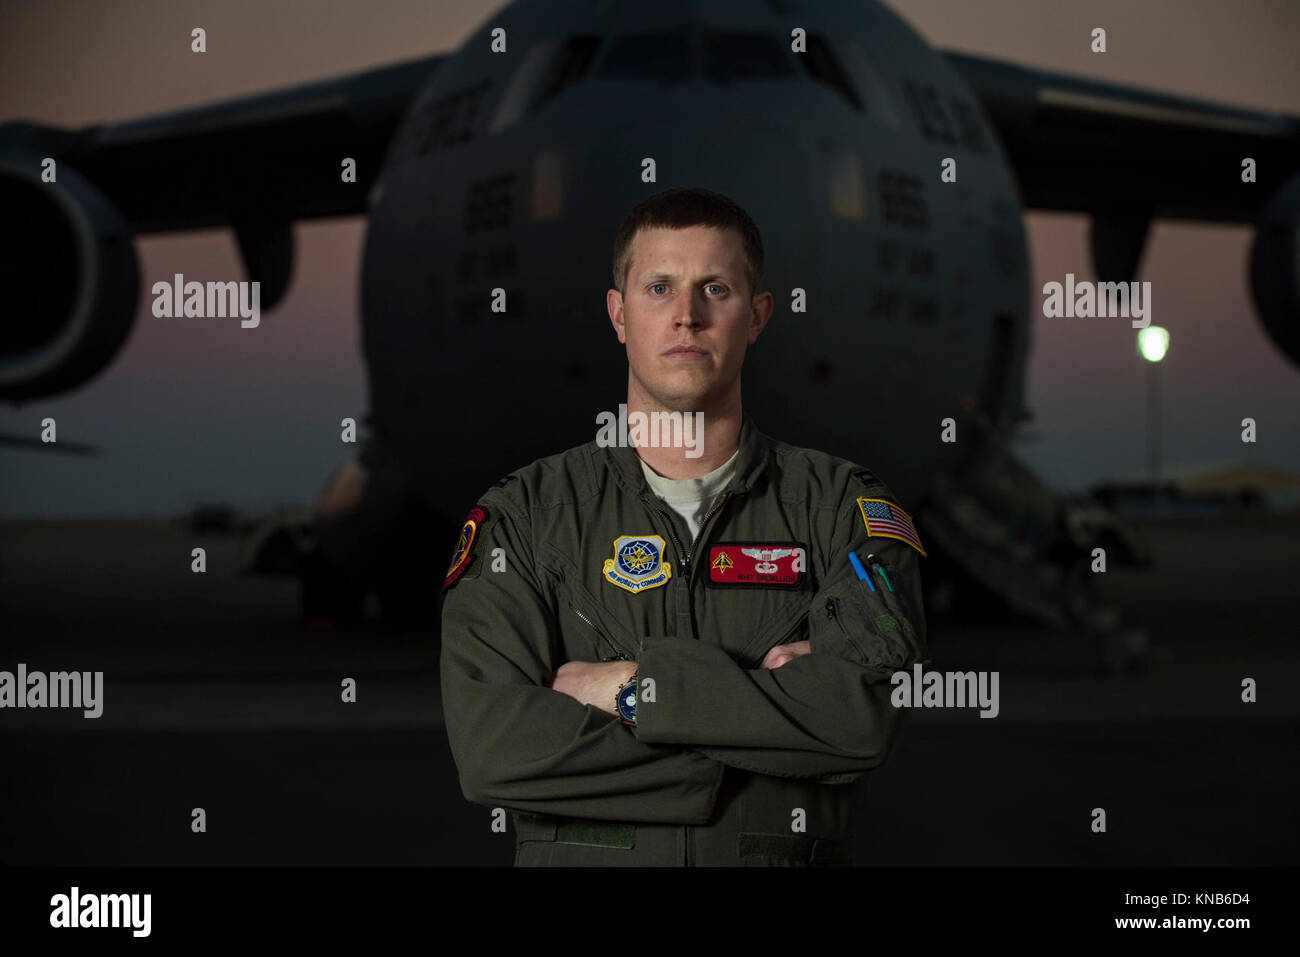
463,554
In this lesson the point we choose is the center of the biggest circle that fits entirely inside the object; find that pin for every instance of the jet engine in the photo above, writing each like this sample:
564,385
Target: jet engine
70,278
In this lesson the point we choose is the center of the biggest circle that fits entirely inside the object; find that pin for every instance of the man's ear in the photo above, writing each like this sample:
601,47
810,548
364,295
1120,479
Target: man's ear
614,304
760,313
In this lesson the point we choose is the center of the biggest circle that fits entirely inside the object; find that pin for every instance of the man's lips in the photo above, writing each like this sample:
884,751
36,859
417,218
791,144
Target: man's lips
685,352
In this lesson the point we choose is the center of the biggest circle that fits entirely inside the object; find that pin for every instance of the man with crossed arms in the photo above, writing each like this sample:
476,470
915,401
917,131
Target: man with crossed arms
681,660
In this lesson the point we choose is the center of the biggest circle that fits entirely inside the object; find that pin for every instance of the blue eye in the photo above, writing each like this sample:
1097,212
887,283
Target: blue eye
713,284
652,288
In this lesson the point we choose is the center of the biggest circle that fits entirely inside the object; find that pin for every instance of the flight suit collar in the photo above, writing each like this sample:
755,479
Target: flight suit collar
751,462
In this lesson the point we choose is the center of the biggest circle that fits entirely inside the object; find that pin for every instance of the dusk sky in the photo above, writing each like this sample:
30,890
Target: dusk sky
207,412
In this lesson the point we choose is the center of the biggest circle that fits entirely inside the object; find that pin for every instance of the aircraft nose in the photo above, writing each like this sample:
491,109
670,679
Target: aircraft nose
756,156
746,153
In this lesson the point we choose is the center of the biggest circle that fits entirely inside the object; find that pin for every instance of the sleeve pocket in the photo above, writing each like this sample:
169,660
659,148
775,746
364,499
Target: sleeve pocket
870,628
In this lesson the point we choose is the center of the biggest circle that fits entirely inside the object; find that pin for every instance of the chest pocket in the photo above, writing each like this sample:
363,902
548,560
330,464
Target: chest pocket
871,628
589,631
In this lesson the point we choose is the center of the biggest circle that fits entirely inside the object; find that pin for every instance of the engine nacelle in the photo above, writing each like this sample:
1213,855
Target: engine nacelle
71,279
1275,268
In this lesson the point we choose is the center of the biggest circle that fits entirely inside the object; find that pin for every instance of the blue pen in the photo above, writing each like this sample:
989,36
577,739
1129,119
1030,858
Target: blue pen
862,572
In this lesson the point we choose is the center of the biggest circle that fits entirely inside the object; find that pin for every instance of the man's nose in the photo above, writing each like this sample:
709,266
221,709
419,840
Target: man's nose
689,314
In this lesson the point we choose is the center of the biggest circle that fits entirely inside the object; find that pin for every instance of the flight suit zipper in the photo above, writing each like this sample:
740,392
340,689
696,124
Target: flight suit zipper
683,558
686,559
833,614
686,563
705,523
620,653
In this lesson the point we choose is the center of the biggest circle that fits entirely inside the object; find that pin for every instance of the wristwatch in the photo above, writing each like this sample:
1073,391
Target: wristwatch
625,701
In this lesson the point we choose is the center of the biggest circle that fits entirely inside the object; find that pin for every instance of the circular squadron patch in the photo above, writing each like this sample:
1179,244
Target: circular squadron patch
638,563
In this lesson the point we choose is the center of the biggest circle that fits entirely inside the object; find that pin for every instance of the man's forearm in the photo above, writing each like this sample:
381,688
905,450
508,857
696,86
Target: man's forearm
529,748
815,716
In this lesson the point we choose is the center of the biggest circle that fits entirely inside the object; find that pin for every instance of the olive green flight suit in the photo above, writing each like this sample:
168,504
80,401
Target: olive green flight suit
728,763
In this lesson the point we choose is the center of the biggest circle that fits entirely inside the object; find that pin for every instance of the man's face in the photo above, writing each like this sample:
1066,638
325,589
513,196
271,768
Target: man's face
687,315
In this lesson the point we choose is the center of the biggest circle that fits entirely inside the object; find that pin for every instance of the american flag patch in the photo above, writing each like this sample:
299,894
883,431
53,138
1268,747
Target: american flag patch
887,519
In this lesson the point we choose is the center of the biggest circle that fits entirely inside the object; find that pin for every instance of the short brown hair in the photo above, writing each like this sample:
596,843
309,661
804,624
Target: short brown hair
678,208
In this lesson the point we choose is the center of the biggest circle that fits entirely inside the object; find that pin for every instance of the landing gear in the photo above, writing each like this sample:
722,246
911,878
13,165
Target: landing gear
1119,647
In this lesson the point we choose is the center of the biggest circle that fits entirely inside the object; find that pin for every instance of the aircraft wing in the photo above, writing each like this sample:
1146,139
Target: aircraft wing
254,164
1080,145
1126,156
273,154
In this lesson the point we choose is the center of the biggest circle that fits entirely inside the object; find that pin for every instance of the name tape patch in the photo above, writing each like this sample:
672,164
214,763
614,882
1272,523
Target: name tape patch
758,564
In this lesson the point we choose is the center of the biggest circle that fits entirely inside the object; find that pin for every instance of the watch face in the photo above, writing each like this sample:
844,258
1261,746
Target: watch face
627,701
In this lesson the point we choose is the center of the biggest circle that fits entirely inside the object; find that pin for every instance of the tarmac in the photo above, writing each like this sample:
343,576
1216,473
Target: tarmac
217,696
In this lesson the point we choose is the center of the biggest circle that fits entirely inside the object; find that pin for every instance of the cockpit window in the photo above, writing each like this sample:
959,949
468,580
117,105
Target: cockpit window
649,56
551,66
722,56
566,69
824,67
743,56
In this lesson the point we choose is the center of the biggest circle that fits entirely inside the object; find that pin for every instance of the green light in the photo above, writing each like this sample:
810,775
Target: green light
1153,343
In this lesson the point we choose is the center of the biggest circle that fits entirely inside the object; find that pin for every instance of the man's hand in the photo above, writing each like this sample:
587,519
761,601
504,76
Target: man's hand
593,682
780,654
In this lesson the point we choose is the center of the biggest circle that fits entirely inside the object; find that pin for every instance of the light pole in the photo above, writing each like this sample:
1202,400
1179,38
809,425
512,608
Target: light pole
1153,343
